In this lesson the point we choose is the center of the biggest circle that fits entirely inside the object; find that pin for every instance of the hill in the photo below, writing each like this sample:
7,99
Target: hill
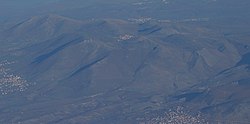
111,64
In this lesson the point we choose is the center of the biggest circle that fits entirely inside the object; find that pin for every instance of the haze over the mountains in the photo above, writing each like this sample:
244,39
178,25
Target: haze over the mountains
117,61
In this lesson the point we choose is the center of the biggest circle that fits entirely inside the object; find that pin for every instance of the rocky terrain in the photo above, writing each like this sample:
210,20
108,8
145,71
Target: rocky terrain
151,62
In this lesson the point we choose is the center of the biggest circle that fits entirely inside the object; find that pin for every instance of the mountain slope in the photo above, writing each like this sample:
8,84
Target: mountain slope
117,70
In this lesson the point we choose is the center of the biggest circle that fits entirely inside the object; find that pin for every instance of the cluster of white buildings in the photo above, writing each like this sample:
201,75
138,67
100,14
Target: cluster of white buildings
125,37
10,83
178,116
140,20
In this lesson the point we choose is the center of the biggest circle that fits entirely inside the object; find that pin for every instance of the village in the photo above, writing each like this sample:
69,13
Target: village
10,83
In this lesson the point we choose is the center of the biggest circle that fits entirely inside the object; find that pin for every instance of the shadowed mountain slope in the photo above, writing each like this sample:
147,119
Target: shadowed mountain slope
124,62
118,66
